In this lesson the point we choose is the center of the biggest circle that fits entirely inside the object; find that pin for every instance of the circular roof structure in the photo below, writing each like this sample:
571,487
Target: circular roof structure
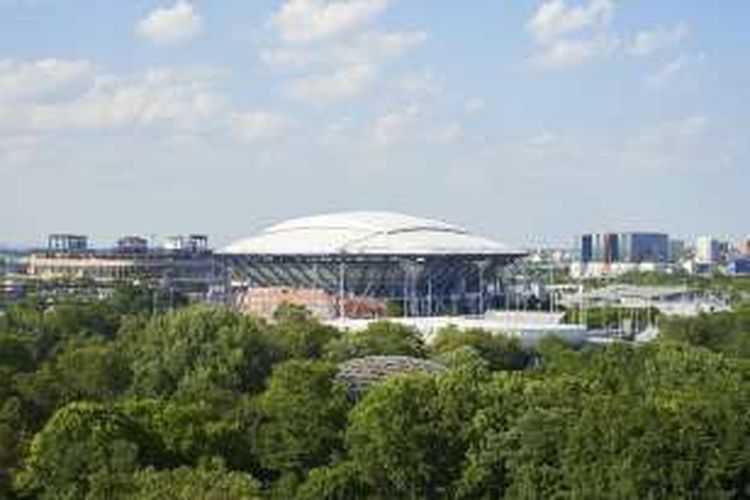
360,374
368,233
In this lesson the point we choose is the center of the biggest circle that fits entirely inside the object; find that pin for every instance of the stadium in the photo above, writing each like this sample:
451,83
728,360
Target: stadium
421,267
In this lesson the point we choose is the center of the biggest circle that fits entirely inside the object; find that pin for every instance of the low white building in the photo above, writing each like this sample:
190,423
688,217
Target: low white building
529,327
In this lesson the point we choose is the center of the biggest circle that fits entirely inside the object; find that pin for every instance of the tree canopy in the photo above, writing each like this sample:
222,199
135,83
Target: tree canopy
120,400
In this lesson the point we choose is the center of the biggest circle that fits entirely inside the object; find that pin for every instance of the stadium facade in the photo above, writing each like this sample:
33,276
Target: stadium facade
425,266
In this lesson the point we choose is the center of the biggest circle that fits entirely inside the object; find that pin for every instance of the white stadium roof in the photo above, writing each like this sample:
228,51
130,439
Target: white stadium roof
369,233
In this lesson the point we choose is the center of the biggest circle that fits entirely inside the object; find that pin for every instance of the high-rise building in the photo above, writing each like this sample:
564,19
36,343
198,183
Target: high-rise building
631,247
707,250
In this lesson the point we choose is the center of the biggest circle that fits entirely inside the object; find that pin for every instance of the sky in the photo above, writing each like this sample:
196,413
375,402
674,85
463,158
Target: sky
529,121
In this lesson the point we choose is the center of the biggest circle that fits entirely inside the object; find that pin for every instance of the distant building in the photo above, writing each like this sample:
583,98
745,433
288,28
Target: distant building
744,248
739,266
632,247
67,243
602,254
132,244
669,300
191,269
427,267
194,243
707,250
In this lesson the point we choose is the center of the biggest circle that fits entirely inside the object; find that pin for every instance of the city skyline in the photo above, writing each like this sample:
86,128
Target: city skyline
530,122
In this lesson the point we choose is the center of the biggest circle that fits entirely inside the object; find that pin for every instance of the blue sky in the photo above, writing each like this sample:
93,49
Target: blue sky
530,121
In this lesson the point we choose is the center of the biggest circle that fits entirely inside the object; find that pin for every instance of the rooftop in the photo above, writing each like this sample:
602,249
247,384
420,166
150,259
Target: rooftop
367,233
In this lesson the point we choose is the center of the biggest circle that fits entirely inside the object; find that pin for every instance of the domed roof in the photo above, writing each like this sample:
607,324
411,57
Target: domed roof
371,233
360,374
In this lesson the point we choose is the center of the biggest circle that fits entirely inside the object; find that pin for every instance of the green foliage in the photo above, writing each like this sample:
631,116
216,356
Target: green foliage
50,327
195,433
379,338
93,370
200,353
304,412
499,351
11,435
299,334
340,482
654,422
183,483
16,352
80,441
142,299
727,332
395,438
115,400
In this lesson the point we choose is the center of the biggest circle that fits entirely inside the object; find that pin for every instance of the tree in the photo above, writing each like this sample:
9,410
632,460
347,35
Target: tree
195,433
80,441
727,332
299,334
500,351
200,353
396,439
11,435
132,299
16,352
339,482
379,338
92,370
183,483
304,413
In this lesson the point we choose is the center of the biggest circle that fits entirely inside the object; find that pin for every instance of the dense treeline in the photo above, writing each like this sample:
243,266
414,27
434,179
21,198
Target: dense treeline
115,400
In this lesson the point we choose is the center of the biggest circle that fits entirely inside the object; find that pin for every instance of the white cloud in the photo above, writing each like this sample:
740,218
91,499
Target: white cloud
259,125
181,100
326,52
672,71
543,140
570,35
669,144
310,20
683,129
555,18
474,105
565,53
413,124
170,25
368,48
417,84
546,146
444,134
18,150
345,83
39,79
648,42
395,126
393,44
